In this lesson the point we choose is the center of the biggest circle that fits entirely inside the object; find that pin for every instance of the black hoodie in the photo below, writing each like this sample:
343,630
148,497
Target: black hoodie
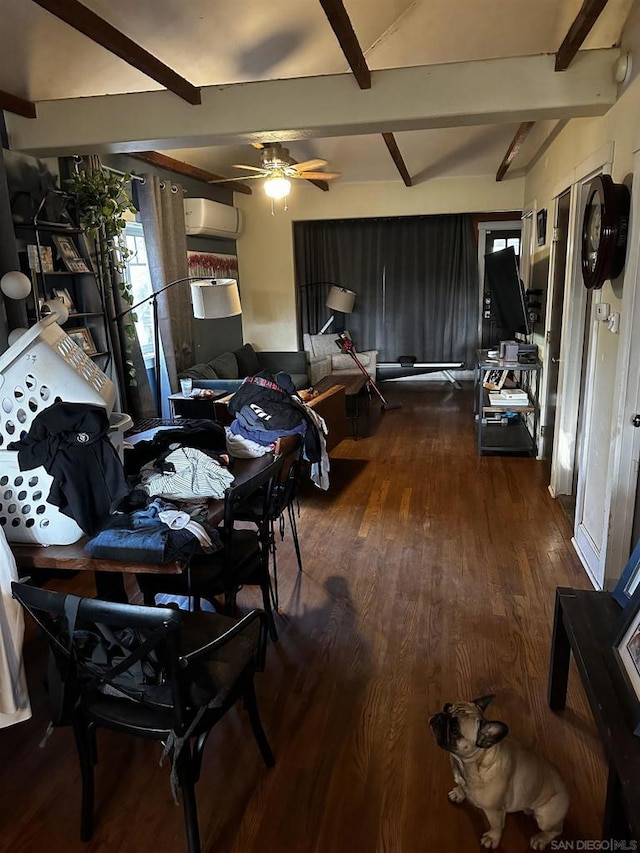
70,440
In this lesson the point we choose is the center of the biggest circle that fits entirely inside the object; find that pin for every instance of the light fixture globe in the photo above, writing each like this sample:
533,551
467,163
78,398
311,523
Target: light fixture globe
55,308
277,187
15,285
15,334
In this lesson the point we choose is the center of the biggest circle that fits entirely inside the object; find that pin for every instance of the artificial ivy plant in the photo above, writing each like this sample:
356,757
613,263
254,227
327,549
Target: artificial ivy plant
101,200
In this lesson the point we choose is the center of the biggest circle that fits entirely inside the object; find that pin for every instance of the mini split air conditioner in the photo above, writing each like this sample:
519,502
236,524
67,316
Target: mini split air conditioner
206,218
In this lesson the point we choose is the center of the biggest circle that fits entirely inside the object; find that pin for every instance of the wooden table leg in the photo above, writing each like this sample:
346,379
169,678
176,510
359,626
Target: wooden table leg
559,663
614,822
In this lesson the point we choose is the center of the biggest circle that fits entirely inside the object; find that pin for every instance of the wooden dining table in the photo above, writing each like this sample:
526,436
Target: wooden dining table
74,557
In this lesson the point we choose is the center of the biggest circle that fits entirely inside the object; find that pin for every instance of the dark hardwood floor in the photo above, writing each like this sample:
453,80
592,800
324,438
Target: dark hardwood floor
429,576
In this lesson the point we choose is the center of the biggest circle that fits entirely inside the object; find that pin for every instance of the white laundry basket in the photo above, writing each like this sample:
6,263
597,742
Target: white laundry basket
45,364
25,514
42,366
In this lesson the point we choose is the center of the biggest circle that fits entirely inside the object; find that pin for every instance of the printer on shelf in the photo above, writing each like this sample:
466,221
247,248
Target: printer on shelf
527,353
509,350
515,351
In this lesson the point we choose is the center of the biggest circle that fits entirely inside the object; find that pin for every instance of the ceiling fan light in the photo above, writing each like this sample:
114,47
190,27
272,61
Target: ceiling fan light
277,187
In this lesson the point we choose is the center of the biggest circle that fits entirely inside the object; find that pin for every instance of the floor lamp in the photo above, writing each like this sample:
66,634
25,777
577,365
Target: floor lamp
211,298
339,299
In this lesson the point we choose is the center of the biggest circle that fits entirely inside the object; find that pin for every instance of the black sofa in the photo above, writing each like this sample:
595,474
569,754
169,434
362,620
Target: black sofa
226,371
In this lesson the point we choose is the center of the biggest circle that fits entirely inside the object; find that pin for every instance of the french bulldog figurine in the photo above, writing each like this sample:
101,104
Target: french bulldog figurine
498,775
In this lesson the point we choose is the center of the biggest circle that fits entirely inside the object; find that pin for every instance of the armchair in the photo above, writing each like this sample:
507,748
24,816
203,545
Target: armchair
324,357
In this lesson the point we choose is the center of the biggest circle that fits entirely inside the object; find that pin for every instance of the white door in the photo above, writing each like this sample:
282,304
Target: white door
608,470
624,466
595,445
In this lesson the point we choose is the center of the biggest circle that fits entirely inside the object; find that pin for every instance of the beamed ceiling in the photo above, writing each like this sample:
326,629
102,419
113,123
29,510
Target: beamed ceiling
385,90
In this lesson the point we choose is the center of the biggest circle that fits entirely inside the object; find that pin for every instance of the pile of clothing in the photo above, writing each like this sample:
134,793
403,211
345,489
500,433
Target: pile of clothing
163,516
266,408
152,531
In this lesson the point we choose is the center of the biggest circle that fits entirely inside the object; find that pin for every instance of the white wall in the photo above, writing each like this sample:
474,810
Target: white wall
265,248
618,131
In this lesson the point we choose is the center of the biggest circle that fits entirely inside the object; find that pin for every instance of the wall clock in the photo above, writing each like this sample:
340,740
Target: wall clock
604,231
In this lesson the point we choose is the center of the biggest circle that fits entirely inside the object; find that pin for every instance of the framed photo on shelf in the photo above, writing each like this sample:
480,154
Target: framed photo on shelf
629,579
626,653
64,296
46,258
69,254
495,379
82,337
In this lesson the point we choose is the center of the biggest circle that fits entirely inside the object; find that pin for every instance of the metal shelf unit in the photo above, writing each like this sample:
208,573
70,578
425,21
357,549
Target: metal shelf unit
85,287
507,428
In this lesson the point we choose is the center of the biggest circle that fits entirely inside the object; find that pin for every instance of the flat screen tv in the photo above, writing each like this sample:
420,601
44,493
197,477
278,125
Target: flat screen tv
508,306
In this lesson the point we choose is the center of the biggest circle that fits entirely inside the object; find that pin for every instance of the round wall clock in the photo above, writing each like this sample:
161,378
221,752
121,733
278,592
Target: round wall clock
604,231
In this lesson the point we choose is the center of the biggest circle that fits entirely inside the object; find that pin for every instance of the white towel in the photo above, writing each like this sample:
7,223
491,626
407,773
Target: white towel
14,699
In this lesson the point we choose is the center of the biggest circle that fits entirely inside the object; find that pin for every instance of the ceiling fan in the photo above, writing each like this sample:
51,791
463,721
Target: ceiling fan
278,168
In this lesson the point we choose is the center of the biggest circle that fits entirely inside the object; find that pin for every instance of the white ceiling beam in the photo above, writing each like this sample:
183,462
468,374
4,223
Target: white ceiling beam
459,94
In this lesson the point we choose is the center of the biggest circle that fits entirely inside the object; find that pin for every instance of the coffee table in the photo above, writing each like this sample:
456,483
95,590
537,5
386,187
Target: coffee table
353,384
196,407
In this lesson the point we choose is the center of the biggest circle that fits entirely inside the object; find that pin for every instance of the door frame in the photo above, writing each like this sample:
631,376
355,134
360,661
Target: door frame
548,314
563,461
483,228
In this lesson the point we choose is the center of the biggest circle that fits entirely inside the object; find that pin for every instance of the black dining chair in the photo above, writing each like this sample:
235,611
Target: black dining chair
151,672
265,514
243,560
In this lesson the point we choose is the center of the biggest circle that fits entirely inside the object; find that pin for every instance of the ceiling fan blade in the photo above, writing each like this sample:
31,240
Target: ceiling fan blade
319,176
308,164
251,168
238,179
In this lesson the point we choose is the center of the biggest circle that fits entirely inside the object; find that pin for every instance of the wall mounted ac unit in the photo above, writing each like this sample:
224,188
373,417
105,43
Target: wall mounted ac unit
206,218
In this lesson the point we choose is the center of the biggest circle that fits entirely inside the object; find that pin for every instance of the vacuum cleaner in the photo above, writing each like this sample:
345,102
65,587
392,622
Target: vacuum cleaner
346,345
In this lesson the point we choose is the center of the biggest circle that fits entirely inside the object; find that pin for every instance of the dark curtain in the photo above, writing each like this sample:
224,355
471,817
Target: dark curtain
416,280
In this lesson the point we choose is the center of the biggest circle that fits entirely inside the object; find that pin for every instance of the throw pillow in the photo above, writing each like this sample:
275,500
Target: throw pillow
199,371
225,365
248,364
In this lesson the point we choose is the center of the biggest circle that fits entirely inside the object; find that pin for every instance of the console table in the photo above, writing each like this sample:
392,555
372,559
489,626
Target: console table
585,623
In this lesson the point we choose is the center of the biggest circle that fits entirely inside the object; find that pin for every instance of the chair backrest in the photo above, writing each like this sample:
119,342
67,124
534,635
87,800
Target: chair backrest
285,489
122,651
261,483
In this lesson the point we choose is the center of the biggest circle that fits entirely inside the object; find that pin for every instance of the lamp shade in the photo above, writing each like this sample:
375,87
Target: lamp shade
215,298
15,285
341,299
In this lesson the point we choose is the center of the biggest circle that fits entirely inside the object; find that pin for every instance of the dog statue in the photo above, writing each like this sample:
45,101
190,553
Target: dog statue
498,775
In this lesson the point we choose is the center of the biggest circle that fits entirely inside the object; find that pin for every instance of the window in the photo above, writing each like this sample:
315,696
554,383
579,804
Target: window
499,243
140,279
